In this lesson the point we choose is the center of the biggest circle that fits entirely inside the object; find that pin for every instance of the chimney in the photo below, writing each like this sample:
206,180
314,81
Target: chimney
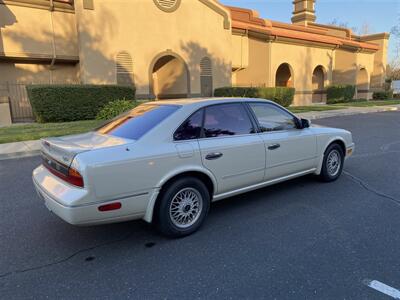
304,12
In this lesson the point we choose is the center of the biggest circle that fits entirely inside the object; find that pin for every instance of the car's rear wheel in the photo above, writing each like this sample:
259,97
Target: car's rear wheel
183,207
332,165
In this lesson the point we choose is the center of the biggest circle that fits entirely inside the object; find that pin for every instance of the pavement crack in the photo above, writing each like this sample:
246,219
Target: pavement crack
370,189
63,260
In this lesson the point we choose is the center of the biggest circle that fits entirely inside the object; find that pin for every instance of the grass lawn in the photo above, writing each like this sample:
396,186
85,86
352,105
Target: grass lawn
369,103
34,131
303,109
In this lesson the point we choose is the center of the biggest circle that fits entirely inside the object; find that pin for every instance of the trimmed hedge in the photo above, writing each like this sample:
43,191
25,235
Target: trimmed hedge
340,93
281,95
383,95
115,108
65,103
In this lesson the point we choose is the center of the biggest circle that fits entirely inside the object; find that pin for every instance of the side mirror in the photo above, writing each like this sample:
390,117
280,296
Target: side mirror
305,123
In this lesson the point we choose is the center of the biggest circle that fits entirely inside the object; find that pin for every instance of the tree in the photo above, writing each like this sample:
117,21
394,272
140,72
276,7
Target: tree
365,29
338,23
394,64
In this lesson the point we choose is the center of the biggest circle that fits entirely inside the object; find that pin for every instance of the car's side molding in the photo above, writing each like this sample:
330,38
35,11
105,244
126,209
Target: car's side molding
148,217
261,185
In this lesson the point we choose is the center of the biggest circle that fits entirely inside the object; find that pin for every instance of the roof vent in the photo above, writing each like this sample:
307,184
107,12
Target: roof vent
168,5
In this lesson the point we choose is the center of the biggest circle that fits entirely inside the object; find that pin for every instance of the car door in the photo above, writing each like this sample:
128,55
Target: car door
231,148
289,150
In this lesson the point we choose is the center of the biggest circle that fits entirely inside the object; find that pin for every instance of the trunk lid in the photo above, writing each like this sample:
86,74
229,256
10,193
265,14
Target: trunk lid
64,149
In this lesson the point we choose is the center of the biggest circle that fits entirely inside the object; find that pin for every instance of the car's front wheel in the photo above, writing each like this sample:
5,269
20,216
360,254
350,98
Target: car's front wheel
183,207
332,165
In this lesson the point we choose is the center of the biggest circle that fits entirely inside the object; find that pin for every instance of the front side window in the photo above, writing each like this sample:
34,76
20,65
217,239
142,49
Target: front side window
137,122
191,128
272,118
226,120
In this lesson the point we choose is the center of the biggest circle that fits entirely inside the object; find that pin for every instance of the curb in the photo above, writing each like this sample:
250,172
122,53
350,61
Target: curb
343,113
19,154
19,149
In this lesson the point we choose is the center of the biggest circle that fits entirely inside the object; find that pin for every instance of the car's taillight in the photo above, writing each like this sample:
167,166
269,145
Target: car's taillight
74,177
68,174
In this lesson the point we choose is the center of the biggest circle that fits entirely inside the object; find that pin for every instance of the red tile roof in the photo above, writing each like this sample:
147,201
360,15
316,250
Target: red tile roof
246,19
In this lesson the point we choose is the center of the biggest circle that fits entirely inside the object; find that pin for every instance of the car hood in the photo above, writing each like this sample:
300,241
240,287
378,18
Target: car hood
320,128
65,148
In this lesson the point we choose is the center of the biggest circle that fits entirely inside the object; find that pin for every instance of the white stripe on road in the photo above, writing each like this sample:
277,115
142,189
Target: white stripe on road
383,288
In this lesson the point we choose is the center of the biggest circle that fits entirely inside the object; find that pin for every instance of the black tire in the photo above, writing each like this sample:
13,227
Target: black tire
166,223
328,172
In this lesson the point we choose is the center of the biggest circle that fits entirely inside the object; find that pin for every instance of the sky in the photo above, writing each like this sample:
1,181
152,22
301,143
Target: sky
380,15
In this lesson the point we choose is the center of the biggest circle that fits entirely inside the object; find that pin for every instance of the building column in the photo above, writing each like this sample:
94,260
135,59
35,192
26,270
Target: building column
270,82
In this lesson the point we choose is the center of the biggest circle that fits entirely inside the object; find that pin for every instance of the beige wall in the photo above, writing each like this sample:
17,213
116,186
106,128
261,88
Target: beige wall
256,73
38,73
27,32
26,45
192,32
240,52
348,66
264,58
380,62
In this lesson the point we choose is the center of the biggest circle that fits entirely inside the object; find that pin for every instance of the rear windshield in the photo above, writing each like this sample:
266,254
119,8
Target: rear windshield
137,122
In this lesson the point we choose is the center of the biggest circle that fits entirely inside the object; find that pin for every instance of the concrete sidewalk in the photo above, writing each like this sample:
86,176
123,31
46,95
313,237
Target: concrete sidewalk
313,115
19,149
32,148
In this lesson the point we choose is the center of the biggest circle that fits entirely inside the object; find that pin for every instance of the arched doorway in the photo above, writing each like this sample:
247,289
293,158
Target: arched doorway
318,85
284,76
362,84
169,77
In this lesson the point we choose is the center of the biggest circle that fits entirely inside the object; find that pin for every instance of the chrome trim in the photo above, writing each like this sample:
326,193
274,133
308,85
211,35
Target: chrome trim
260,185
291,162
110,200
243,173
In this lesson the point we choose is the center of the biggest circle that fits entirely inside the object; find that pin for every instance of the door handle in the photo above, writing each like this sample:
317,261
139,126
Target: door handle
274,146
213,156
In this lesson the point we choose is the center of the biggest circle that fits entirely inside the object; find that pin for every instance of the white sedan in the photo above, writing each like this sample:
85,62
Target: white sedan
166,161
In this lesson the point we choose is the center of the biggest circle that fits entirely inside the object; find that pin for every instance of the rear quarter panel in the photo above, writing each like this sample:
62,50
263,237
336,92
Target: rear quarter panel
123,171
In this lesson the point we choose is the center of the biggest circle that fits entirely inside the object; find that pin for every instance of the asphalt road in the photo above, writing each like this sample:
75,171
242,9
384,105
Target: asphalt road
298,240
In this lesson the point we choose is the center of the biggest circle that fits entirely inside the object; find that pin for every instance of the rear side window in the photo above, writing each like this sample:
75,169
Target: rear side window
191,128
137,122
226,120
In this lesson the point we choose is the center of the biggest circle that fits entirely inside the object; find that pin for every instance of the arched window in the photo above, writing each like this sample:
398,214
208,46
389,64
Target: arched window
284,76
206,77
124,68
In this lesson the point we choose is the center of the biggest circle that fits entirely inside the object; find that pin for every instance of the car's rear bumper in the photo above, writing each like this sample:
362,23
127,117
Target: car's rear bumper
65,204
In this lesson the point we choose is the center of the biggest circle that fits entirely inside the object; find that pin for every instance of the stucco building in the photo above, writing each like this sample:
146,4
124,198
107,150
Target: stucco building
183,48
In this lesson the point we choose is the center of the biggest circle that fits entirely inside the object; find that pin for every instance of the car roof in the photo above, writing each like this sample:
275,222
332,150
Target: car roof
205,101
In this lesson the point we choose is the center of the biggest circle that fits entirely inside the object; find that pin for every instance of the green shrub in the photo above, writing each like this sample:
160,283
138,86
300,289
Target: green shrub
383,95
340,93
115,108
64,103
281,95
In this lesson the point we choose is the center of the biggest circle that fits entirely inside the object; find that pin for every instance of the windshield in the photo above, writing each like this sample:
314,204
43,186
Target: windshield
137,122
